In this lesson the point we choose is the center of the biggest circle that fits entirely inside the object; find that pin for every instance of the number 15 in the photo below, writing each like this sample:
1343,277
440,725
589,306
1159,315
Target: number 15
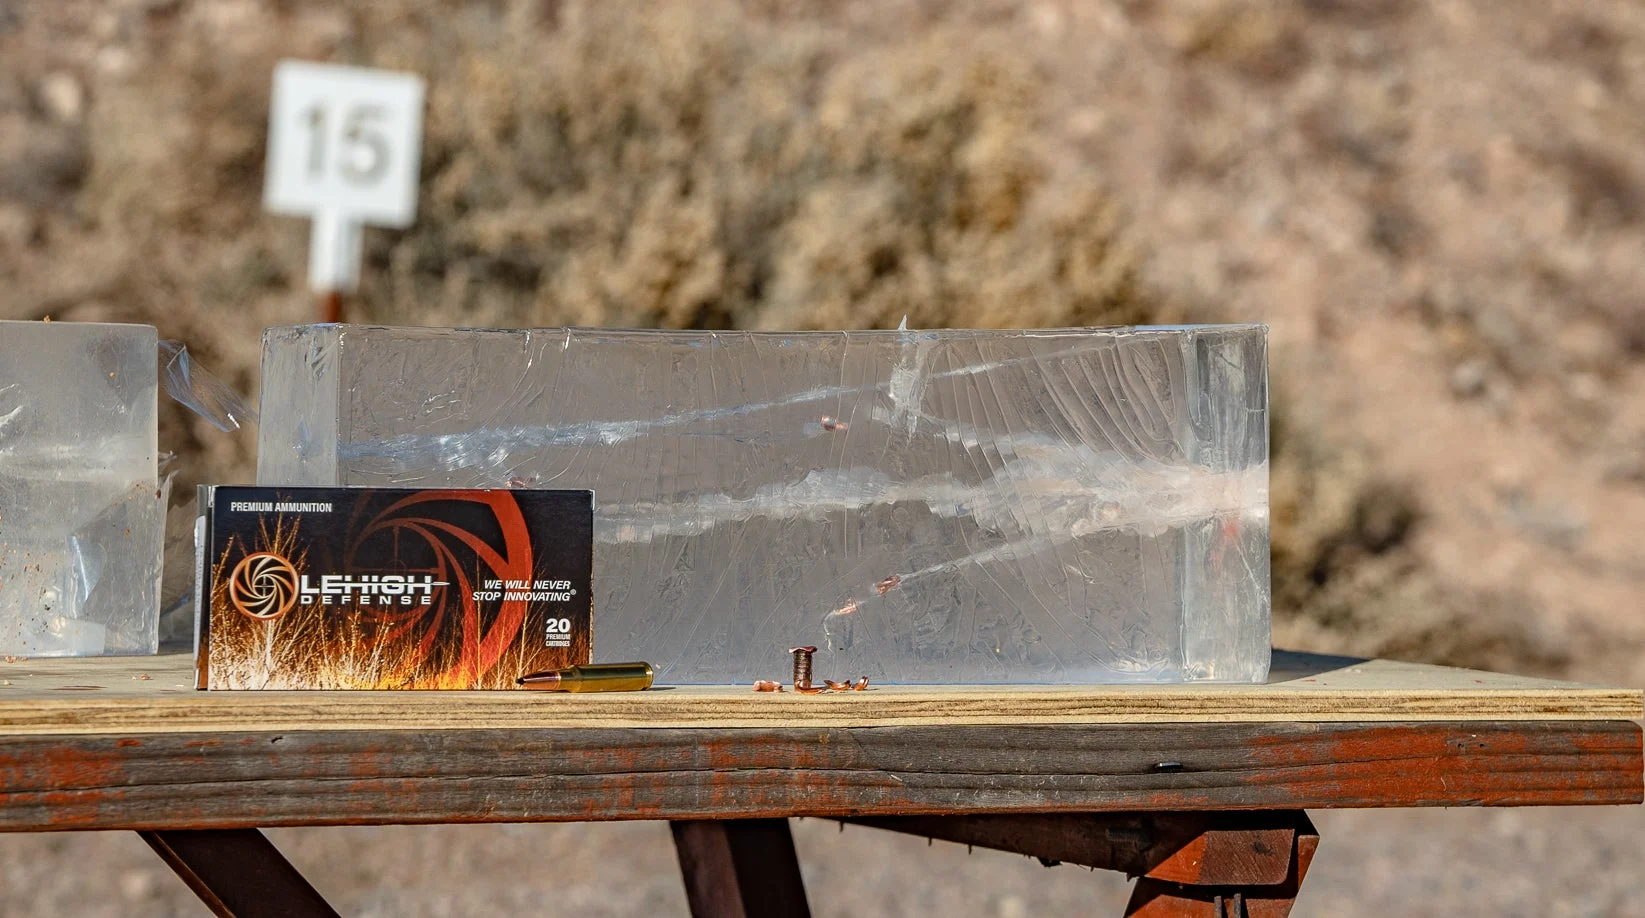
362,157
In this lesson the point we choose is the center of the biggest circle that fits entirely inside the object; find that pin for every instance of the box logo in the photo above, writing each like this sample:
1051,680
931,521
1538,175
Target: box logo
263,586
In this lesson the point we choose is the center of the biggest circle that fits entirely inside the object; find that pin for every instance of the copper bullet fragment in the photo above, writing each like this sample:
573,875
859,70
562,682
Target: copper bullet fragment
802,668
764,685
861,686
888,584
838,686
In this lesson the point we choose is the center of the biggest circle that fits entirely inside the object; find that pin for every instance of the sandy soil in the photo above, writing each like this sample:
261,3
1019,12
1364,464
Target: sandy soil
1567,862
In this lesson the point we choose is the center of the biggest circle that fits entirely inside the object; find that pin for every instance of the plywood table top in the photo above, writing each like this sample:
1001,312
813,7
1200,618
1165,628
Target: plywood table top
155,694
127,743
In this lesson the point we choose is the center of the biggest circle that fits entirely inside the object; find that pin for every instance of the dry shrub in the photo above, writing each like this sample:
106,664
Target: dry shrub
1261,41
654,163
623,163
690,166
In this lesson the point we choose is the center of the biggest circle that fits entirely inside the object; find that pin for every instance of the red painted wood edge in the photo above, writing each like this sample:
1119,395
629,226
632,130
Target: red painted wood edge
376,777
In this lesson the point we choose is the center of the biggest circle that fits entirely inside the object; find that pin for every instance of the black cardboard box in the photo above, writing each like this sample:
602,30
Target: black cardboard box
390,588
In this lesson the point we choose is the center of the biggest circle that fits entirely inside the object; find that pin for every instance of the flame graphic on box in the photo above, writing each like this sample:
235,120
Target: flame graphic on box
454,642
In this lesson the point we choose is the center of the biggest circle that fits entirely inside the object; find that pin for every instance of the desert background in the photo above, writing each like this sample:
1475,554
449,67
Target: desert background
1439,208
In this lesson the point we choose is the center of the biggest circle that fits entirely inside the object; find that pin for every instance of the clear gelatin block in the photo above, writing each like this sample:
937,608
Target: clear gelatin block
82,513
1052,506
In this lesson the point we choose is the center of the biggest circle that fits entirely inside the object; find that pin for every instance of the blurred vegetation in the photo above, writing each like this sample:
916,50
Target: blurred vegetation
633,163
770,165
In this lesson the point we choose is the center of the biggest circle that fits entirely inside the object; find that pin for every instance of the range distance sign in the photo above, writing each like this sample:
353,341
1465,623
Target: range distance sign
345,145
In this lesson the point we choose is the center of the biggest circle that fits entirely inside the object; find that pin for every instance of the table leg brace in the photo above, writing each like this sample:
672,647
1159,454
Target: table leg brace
238,873
1189,865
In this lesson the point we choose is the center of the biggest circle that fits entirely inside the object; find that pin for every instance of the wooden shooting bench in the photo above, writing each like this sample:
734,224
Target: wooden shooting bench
1199,791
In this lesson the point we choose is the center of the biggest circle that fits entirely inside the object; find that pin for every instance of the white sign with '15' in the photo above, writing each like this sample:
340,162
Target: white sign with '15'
344,149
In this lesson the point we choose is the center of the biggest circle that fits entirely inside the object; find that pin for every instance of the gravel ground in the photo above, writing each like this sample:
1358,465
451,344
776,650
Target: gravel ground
1510,862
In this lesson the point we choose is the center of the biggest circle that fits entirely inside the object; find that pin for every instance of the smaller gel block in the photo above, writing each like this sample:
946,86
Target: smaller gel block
82,516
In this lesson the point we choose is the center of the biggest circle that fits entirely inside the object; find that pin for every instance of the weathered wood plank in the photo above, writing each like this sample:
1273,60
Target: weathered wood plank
371,777
1204,849
107,696
1154,897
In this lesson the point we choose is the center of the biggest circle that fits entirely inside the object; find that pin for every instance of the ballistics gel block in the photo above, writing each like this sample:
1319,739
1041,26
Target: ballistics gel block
1063,505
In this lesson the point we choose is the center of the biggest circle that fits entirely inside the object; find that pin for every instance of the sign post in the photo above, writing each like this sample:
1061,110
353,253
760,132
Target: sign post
344,150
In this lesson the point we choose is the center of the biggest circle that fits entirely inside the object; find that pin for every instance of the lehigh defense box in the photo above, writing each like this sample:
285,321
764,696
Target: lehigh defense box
388,588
